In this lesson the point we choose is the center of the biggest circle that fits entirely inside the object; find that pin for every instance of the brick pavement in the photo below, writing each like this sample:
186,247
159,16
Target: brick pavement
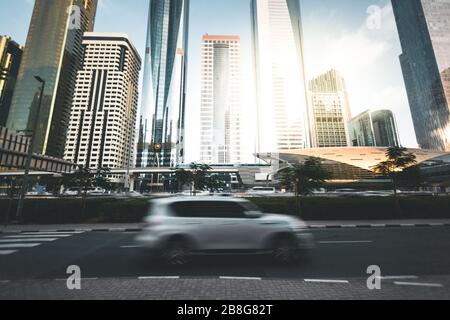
220,289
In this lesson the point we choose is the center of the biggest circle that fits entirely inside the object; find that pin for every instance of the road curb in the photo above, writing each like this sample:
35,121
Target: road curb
315,226
388,226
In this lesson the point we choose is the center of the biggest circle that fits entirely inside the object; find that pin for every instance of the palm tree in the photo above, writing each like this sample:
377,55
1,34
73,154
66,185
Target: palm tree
398,160
305,177
182,178
199,176
84,179
214,183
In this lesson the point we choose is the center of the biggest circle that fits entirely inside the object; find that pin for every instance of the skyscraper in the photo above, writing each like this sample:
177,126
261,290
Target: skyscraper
53,51
279,75
10,57
424,30
374,129
385,128
103,118
329,110
161,127
220,120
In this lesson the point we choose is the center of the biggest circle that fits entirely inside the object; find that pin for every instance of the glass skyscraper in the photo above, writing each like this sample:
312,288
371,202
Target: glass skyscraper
424,30
10,57
161,130
54,52
374,129
279,75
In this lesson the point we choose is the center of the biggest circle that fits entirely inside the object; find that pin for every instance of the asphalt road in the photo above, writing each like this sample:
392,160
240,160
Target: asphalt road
411,257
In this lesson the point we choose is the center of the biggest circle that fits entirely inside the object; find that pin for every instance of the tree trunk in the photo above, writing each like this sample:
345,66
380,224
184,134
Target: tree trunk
298,200
398,209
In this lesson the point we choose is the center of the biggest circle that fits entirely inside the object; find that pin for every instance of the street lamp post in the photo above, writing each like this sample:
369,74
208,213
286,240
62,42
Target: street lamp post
26,176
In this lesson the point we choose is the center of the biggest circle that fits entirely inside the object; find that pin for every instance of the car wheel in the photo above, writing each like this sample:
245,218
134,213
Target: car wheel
176,253
285,250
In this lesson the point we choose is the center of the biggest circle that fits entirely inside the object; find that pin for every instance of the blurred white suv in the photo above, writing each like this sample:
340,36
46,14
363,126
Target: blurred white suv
177,228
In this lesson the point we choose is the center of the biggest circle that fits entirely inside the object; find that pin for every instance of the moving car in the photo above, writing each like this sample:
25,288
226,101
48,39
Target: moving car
176,228
72,192
263,190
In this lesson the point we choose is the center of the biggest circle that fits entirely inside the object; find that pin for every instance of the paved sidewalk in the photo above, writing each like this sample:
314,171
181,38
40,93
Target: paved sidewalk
133,227
222,289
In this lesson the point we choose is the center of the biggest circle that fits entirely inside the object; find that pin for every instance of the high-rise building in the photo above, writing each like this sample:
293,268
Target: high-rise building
279,75
329,111
104,113
10,57
161,126
220,126
53,51
385,129
374,129
424,30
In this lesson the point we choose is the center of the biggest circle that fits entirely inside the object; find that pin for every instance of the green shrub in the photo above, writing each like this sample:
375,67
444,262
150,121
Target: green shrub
370,208
67,211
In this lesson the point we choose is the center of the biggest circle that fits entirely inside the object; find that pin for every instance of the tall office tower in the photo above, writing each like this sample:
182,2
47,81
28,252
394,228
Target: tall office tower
161,128
374,129
10,57
279,75
329,110
53,51
104,113
424,30
220,126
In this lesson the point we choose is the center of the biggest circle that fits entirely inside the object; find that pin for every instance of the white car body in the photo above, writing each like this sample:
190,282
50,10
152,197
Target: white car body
227,224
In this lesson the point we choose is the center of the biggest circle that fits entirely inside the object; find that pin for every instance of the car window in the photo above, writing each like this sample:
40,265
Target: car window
208,209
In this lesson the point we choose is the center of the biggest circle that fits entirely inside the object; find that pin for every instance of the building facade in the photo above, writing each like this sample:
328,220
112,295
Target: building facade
53,51
220,120
161,124
424,30
10,58
104,113
329,111
14,151
352,164
374,129
279,75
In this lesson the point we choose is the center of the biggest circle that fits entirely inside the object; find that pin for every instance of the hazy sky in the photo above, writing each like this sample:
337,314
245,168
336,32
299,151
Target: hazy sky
336,36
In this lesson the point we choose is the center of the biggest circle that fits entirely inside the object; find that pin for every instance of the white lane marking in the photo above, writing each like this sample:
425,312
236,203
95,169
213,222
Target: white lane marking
20,245
348,226
7,252
5,281
398,277
28,240
326,281
52,233
317,226
378,225
38,236
437,224
345,242
130,247
158,277
239,278
419,284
